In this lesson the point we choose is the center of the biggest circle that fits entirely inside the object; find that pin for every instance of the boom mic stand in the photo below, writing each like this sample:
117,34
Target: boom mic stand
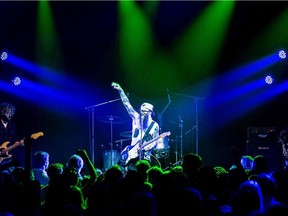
160,115
181,141
92,125
181,135
196,100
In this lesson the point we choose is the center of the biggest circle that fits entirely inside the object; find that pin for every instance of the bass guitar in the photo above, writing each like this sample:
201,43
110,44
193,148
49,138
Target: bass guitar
4,150
132,152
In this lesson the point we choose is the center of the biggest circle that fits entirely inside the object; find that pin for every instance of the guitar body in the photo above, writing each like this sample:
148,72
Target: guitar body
4,154
128,153
132,151
4,149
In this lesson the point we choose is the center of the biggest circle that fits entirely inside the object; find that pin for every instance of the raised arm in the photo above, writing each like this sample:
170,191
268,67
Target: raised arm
90,166
131,111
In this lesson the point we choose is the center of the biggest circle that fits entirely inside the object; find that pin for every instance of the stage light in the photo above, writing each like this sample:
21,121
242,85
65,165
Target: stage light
4,56
16,81
269,80
282,54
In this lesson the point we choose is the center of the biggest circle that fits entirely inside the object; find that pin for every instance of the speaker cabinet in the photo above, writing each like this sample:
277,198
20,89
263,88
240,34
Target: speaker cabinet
264,141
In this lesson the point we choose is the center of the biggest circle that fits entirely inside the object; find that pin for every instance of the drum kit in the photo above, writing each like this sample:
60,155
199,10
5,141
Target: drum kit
111,155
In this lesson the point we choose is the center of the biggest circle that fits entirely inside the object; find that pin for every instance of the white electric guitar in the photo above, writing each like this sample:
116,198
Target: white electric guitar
132,152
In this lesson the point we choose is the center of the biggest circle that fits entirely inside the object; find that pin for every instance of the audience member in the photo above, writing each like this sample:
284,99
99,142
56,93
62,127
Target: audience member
191,165
40,165
247,163
76,162
259,166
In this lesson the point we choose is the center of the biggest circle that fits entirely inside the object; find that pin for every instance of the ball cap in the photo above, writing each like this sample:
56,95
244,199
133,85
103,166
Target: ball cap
147,107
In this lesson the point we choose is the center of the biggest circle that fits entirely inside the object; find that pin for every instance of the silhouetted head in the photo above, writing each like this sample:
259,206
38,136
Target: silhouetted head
7,111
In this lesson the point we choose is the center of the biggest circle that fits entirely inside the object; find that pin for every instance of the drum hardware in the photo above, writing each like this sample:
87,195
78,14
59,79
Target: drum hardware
126,134
181,137
108,119
178,163
109,158
121,142
91,114
162,156
161,153
111,120
154,161
196,101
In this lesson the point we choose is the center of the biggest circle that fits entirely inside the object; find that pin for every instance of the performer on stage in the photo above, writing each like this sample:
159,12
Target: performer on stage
283,138
8,132
145,132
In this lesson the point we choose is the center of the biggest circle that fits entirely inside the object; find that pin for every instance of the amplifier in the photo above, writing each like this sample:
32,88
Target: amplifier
264,141
262,134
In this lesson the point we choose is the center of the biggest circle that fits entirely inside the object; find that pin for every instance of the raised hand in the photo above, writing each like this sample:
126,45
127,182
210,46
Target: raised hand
116,85
82,153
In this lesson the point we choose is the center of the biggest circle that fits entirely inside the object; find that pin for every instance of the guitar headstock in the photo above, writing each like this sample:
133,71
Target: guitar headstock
163,135
37,135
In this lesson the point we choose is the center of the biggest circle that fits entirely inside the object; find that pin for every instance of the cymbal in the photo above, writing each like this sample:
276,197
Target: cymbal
122,140
111,119
126,134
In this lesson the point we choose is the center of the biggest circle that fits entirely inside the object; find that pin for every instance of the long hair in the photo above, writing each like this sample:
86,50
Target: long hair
4,106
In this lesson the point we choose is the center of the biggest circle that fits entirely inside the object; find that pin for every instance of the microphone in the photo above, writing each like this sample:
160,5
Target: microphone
143,117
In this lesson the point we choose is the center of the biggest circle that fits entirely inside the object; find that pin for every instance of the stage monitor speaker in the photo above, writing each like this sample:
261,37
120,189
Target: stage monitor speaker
264,141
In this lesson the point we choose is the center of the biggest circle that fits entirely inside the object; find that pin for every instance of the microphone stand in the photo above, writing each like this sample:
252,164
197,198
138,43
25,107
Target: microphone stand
196,99
181,136
160,115
111,140
91,122
141,136
181,142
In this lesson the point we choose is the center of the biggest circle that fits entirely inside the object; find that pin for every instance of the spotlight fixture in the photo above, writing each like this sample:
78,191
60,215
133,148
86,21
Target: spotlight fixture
282,54
16,81
269,80
4,56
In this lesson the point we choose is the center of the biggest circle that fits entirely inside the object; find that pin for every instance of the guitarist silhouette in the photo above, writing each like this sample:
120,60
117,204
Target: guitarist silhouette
8,131
144,128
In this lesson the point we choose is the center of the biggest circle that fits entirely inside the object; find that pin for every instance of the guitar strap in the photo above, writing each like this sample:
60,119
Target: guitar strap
147,136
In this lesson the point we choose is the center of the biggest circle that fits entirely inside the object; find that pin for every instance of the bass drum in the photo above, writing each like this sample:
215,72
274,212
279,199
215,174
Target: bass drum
154,161
161,152
162,149
162,157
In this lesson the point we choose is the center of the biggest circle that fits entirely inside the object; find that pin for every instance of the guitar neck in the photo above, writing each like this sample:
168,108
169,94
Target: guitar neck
13,146
156,138
150,141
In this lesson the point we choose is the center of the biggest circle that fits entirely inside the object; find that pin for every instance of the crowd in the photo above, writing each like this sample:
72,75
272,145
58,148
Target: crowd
244,188
247,187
